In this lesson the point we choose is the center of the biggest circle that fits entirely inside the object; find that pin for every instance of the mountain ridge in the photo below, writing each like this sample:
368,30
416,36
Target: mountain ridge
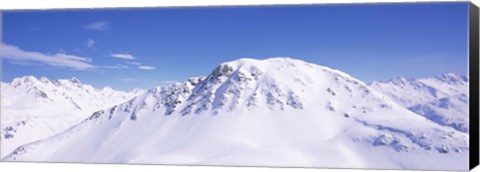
442,98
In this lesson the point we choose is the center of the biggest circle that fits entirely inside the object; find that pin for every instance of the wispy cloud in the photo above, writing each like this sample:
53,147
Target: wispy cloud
90,44
99,26
21,63
133,63
19,56
123,56
117,66
146,67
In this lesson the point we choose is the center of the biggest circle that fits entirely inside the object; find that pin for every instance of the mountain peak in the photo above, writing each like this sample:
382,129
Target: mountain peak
261,62
29,78
452,78
24,80
70,81
399,80
107,89
44,79
75,80
277,83
255,67
137,91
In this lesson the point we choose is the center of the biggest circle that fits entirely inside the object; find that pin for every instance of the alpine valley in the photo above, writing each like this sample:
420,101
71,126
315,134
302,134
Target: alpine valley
275,112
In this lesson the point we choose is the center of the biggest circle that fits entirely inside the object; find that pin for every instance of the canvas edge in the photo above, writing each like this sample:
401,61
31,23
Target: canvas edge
474,84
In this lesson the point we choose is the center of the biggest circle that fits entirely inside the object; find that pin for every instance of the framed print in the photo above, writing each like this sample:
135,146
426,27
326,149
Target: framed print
358,86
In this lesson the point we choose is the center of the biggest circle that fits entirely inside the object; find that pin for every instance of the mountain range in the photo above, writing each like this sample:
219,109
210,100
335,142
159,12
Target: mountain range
37,108
442,99
247,112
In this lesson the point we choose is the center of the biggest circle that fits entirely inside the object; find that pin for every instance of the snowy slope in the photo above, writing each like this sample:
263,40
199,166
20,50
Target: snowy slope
37,108
273,112
442,99
3,84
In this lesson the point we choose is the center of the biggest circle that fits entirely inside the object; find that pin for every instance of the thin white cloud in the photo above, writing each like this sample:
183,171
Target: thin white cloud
133,63
90,44
72,57
123,56
117,66
19,56
99,26
21,63
123,66
146,67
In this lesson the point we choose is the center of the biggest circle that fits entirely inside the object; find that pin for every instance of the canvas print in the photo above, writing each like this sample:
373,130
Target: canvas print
378,86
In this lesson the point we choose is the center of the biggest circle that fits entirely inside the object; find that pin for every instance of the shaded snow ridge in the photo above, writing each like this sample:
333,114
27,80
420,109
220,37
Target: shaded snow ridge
272,112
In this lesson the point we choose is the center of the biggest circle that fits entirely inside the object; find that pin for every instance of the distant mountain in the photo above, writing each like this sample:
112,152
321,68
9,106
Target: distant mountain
442,99
273,112
37,108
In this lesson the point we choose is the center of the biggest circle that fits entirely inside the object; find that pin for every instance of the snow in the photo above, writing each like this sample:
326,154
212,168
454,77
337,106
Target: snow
272,112
30,107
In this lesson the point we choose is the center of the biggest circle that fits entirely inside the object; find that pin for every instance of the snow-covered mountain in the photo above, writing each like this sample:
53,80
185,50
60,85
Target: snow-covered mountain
442,99
36,108
273,112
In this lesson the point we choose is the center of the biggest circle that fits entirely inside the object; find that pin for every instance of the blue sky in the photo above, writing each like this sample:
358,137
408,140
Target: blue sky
127,48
